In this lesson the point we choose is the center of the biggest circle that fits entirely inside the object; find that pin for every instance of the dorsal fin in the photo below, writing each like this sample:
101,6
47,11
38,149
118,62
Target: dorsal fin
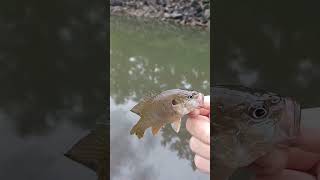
145,100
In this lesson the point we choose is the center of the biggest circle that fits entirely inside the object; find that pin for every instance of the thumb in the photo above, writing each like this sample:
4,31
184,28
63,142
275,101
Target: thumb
206,102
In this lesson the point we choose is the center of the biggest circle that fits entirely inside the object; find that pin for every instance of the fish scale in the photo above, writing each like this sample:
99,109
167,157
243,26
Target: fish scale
167,107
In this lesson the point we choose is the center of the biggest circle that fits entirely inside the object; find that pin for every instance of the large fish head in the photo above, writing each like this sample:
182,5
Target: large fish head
256,116
185,101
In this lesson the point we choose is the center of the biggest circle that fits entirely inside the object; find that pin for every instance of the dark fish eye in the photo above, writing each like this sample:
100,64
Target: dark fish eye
190,96
174,102
258,112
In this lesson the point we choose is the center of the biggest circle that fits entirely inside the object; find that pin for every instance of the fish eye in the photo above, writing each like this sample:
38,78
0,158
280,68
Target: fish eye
258,112
174,102
190,96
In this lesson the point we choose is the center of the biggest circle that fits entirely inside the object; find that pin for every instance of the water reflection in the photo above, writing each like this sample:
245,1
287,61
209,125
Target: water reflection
266,49
145,59
51,90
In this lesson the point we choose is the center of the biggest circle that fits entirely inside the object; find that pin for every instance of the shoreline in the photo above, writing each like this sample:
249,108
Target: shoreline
194,13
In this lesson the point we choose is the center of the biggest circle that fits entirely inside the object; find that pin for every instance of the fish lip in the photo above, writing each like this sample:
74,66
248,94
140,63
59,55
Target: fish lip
200,100
297,119
289,125
294,122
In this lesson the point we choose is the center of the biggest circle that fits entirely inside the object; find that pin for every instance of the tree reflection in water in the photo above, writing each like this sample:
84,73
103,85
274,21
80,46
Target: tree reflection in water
47,73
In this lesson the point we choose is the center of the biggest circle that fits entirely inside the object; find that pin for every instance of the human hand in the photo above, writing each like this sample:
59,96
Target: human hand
198,124
299,163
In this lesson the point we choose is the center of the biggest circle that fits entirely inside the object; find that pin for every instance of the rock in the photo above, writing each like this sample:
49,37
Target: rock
185,12
207,13
145,8
176,15
162,2
116,3
166,15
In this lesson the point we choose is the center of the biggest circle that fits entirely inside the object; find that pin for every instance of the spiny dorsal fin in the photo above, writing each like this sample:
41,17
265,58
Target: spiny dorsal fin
138,108
176,125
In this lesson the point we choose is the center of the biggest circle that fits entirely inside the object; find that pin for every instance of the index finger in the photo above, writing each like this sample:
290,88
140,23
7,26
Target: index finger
206,102
201,111
309,136
271,163
309,140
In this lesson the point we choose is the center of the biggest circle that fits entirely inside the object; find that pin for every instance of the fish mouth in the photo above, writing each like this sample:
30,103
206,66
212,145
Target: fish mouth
200,99
295,129
291,121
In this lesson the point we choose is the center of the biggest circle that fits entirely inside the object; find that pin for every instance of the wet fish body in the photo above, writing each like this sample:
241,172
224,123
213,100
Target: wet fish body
247,124
167,107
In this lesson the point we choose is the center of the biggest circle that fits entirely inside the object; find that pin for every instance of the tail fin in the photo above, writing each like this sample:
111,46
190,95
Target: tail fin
139,128
91,149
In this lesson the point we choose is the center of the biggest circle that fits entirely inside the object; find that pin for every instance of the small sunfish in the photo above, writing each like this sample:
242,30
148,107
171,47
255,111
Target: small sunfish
167,107
247,124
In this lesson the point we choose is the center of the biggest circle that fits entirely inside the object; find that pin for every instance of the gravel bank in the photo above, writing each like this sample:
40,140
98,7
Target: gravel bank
184,12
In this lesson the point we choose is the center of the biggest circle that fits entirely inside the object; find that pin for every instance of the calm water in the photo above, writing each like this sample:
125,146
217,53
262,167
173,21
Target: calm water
150,56
51,91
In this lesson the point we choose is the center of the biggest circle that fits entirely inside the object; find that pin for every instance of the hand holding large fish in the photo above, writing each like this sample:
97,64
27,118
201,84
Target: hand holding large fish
166,107
247,124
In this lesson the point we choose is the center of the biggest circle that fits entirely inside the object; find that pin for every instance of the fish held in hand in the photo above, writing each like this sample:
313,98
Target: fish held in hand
247,124
167,107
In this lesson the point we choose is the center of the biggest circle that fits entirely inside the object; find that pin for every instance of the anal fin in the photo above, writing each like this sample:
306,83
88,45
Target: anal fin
156,128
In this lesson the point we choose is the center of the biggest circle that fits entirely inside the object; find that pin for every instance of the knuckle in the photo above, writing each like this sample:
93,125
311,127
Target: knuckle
197,161
188,124
193,144
201,164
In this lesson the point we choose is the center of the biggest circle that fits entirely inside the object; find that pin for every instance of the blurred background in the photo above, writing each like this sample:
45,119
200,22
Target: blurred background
53,77
271,45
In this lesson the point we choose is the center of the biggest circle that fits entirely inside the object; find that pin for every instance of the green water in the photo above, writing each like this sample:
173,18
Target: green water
154,56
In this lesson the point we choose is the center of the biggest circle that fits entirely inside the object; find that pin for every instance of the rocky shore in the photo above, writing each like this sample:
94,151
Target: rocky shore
184,12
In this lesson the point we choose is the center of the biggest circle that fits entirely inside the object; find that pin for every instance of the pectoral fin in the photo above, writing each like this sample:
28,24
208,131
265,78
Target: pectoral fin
176,125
